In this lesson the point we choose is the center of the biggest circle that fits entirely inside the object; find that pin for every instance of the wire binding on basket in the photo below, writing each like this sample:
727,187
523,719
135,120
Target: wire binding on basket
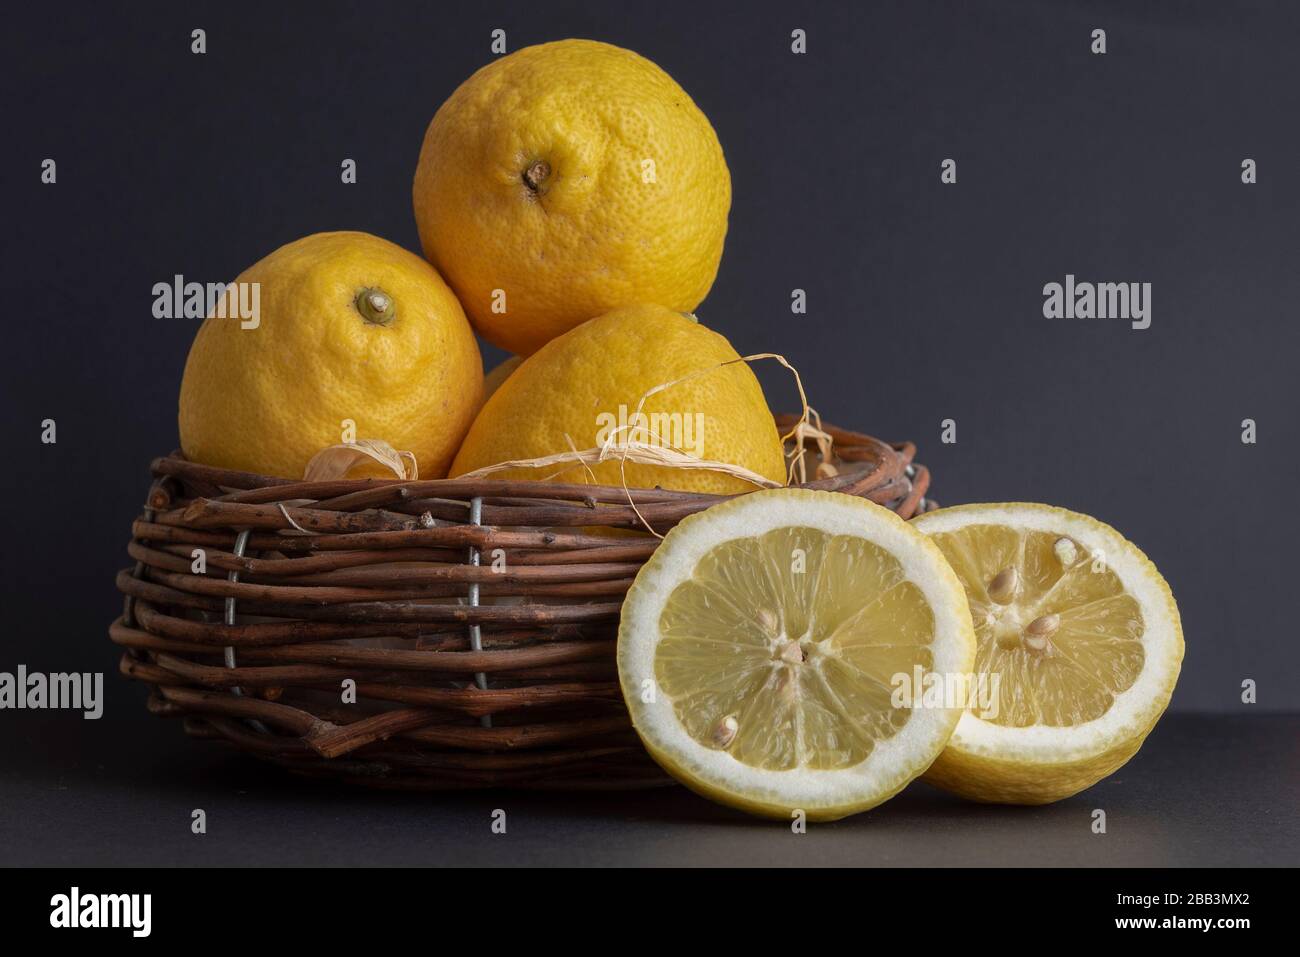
241,542
475,630
308,584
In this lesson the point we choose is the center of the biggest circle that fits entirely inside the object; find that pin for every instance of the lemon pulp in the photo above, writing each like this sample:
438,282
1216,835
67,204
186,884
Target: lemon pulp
782,648
1088,647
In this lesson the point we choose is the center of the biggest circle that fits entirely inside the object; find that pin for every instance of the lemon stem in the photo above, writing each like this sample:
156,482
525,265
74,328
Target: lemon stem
536,174
376,306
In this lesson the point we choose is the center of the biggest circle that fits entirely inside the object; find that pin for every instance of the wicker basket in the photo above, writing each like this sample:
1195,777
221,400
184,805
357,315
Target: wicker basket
466,675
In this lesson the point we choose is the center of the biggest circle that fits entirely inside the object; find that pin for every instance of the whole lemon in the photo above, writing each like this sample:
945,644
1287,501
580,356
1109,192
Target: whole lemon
583,388
492,381
565,180
355,338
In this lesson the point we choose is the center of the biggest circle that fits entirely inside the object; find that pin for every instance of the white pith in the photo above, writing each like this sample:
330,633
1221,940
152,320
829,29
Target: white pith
1133,710
894,760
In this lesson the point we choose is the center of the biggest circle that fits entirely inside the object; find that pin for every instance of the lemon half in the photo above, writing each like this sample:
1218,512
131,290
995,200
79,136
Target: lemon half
1079,648
762,648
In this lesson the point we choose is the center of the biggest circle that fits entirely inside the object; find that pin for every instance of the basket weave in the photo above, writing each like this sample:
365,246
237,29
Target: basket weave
465,675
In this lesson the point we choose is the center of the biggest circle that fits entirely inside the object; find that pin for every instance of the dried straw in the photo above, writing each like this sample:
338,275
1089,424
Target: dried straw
658,451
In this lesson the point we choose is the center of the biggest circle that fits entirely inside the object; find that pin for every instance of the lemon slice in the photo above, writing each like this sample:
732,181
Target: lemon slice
769,651
1079,648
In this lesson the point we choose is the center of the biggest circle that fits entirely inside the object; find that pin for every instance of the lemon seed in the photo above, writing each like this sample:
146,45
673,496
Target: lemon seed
1040,630
1003,586
1036,640
724,731
1066,553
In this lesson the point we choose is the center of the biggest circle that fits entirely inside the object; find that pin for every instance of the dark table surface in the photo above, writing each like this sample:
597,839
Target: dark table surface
1204,790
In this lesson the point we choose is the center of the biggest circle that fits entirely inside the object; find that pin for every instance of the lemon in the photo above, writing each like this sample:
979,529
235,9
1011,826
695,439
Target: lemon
492,381
565,180
1080,645
761,649
356,339
583,388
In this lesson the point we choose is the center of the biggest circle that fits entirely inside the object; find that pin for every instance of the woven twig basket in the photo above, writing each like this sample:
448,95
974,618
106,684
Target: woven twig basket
465,675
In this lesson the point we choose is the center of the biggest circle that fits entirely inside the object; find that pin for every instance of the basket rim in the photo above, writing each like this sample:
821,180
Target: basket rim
253,487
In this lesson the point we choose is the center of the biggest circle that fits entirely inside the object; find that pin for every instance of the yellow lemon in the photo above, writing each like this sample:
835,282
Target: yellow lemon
1079,648
492,381
583,388
565,180
355,338
763,646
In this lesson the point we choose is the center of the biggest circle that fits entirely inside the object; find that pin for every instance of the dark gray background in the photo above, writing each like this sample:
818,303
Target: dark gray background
924,299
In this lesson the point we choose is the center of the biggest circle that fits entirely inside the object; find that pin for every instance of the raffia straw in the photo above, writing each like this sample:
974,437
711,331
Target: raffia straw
805,429
664,454
289,518
336,461
643,453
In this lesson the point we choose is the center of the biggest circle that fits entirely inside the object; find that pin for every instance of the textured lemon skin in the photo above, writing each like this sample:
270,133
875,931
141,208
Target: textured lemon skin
492,381
266,399
596,234
1015,779
990,780
749,804
564,388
